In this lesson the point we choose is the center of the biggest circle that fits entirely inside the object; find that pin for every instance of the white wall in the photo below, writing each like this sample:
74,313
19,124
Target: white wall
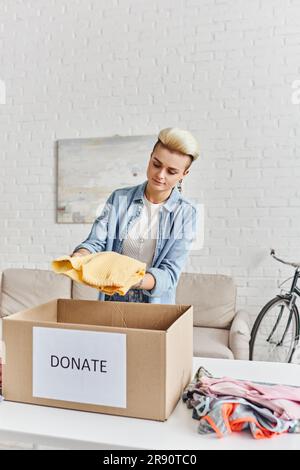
222,69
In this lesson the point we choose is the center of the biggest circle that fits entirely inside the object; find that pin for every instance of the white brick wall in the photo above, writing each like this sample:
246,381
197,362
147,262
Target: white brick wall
223,69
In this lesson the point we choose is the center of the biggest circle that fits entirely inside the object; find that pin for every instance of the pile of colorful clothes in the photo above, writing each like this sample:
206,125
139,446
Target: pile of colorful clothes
224,405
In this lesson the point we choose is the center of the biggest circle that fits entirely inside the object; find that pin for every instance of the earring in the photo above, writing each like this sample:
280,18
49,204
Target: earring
179,186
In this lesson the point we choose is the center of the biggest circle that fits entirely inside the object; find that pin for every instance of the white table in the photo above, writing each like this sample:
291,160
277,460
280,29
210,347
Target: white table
55,427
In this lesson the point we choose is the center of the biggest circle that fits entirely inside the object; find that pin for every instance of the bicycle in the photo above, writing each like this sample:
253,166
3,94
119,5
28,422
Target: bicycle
275,333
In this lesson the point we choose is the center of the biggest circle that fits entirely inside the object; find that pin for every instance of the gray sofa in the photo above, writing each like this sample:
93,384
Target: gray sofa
219,330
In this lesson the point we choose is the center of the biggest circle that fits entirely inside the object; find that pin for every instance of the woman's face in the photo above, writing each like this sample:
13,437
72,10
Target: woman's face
166,168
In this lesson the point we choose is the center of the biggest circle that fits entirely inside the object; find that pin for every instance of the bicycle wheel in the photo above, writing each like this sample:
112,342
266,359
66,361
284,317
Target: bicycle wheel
275,333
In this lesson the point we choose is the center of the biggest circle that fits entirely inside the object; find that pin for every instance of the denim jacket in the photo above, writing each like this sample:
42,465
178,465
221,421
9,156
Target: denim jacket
176,232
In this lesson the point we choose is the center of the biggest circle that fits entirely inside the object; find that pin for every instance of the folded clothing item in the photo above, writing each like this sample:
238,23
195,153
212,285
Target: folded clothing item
107,271
230,414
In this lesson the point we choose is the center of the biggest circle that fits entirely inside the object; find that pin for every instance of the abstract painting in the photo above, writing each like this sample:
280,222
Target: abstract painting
89,170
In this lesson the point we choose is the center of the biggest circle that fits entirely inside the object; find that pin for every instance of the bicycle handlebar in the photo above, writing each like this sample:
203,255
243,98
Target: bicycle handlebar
272,253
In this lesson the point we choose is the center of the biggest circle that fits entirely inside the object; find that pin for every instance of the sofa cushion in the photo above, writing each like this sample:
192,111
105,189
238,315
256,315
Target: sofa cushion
212,296
25,288
83,292
211,342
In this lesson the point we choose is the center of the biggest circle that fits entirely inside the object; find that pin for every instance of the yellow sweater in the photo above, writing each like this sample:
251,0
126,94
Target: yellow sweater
110,272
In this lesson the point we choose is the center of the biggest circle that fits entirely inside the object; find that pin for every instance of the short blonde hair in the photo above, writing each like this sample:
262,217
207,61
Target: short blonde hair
179,140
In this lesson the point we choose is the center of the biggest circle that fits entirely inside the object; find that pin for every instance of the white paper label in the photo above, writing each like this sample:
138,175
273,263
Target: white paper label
79,366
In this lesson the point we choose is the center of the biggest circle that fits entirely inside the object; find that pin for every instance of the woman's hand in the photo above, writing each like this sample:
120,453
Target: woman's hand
146,283
138,285
81,252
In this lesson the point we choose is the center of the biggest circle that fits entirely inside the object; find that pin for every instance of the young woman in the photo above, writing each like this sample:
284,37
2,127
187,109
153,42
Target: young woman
151,222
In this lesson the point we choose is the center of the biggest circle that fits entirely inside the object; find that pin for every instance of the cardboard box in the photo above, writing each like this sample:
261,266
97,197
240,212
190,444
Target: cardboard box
120,358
